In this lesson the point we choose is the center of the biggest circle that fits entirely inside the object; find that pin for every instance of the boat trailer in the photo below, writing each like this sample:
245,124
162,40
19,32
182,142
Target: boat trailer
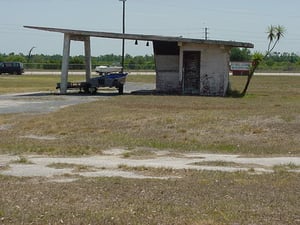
116,80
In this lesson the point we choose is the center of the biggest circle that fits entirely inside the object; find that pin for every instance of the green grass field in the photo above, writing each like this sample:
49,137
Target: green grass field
266,122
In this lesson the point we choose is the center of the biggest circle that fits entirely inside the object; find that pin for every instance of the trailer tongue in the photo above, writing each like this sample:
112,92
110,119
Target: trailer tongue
116,80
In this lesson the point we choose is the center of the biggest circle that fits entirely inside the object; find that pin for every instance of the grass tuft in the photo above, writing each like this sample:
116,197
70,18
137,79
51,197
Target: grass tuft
22,160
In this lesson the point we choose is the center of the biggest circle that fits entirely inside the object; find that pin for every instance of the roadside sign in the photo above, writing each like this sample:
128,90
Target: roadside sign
240,68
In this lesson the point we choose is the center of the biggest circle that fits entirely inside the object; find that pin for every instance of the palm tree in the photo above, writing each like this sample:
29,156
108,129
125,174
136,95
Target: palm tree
275,33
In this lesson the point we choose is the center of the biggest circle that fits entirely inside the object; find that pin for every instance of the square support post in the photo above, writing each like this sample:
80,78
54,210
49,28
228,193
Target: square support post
88,61
65,64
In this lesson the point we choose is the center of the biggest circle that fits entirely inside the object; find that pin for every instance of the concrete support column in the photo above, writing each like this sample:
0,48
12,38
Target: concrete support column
65,64
88,61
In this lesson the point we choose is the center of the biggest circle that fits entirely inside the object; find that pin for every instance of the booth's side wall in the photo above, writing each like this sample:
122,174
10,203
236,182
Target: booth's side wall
166,56
167,73
215,74
214,67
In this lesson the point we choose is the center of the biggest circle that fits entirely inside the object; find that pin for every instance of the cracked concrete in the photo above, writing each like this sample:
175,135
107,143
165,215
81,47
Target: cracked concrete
110,164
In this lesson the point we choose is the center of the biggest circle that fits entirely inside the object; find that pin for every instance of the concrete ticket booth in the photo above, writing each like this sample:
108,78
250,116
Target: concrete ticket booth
183,65
192,68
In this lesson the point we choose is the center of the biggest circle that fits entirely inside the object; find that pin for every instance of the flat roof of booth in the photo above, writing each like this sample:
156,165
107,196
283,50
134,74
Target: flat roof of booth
142,37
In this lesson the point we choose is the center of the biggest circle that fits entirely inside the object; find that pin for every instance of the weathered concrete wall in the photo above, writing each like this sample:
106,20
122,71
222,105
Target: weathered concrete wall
214,68
167,73
214,75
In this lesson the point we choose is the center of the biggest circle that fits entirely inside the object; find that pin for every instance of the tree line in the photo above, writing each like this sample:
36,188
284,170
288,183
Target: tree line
275,61
53,62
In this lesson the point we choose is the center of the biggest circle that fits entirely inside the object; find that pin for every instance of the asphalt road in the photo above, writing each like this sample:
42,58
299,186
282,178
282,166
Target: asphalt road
81,73
142,73
42,102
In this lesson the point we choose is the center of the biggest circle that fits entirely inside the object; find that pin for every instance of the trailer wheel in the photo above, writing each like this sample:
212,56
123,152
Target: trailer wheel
86,89
93,90
121,89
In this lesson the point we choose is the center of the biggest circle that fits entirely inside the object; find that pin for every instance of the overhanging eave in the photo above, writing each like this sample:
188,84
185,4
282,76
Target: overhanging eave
142,37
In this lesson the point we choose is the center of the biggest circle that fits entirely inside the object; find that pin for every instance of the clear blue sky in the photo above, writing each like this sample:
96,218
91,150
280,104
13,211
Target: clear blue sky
237,20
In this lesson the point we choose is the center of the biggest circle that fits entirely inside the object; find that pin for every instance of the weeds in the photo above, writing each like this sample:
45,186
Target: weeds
22,160
198,198
75,167
139,153
219,163
4,167
285,167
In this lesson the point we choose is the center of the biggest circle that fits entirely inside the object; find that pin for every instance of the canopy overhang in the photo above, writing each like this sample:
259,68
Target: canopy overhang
142,37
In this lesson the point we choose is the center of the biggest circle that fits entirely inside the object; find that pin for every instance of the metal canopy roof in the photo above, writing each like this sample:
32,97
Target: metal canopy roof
143,37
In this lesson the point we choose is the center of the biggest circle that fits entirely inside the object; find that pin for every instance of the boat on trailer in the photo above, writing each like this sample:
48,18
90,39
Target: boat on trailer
109,79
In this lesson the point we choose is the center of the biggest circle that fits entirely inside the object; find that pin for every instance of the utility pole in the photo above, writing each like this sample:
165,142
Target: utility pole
123,40
206,33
